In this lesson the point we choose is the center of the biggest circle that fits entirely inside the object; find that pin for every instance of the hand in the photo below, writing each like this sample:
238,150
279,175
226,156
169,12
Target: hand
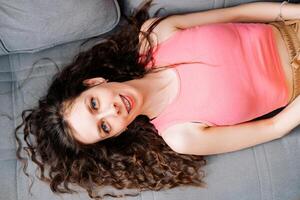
288,118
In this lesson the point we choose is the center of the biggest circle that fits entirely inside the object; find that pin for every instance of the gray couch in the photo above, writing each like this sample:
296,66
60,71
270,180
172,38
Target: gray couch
37,39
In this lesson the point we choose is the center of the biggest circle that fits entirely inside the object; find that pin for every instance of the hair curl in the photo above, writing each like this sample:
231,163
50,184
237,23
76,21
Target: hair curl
138,159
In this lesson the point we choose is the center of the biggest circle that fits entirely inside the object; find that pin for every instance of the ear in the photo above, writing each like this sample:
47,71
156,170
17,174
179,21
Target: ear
94,81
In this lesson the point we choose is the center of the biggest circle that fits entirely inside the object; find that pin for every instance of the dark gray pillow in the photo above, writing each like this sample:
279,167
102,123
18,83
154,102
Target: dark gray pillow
32,25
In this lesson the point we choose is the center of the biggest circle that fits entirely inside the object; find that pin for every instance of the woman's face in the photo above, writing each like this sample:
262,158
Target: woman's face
103,111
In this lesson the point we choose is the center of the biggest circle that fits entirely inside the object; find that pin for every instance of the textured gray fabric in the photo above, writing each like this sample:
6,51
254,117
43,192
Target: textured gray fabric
8,180
32,25
270,171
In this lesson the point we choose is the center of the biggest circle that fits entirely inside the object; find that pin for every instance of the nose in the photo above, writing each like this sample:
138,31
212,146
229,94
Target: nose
112,110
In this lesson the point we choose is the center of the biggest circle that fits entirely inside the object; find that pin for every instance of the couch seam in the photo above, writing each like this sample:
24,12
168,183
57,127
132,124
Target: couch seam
268,171
14,120
257,169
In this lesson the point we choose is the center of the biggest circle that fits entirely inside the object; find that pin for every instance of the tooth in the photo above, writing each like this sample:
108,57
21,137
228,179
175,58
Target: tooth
127,104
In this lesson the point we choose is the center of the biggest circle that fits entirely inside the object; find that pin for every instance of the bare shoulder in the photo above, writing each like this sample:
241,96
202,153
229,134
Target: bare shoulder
177,135
162,31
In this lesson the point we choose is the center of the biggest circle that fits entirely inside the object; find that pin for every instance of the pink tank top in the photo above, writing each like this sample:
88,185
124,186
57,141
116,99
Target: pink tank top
240,80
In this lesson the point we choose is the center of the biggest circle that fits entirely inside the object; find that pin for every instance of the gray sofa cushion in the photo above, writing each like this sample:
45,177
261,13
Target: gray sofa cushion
32,25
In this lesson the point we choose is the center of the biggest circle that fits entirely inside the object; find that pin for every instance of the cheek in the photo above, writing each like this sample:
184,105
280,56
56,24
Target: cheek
107,95
120,125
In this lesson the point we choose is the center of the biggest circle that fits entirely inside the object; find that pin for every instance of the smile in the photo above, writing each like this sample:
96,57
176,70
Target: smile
127,103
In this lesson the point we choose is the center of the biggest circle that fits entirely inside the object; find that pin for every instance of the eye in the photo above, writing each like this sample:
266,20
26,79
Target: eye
93,103
105,127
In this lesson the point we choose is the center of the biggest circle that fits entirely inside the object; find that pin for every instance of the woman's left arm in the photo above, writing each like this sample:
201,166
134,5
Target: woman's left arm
268,11
250,12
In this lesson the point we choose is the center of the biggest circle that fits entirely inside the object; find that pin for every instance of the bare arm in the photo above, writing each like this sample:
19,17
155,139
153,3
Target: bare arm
250,12
268,11
288,118
220,15
190,138
194,138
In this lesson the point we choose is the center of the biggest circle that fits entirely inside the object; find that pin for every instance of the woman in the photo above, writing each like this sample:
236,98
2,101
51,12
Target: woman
140,109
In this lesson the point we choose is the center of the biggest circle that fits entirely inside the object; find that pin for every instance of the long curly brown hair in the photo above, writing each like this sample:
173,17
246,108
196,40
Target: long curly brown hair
138,159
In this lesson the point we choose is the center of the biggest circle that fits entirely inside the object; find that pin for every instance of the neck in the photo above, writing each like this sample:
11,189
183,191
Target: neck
155,91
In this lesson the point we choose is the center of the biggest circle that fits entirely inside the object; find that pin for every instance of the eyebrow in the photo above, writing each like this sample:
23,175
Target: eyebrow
86,102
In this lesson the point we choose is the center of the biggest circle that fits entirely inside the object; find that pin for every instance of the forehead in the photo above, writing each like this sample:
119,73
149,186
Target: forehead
80,120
